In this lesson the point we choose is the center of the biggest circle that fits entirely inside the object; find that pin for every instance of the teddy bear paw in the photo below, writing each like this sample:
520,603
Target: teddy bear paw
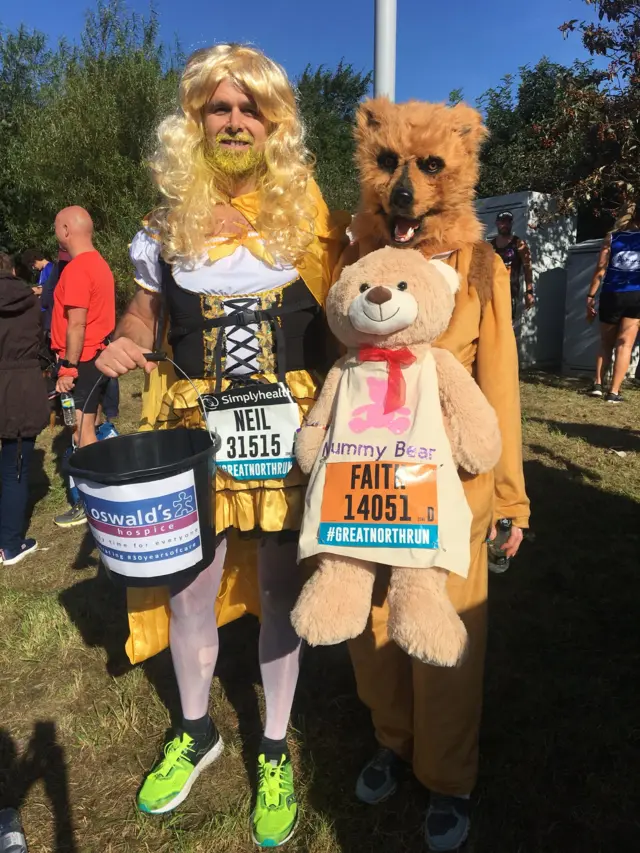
440,639
334,604
308,443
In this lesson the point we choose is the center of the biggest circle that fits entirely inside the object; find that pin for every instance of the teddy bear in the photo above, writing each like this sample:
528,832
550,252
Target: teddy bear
396,419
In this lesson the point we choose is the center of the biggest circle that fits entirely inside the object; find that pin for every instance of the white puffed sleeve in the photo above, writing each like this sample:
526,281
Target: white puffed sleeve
144,252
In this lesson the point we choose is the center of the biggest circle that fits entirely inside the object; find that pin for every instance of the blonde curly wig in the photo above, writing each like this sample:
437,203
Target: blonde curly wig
187,181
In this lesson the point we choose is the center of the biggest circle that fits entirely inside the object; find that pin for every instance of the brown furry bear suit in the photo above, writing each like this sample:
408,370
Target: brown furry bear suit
418,166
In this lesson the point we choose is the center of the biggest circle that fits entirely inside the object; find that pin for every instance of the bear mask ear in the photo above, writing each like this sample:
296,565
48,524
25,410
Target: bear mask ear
448,273
369,115
468,124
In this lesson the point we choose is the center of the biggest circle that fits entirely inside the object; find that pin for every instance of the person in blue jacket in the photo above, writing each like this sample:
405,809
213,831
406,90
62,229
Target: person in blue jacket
618,271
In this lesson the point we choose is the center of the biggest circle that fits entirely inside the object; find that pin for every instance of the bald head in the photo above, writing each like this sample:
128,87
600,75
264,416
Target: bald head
74,230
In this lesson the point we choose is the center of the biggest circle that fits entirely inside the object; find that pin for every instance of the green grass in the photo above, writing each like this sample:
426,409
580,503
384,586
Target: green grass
561,737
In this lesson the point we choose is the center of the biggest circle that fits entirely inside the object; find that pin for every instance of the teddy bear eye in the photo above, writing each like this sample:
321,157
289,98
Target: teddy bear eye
364,287
402,285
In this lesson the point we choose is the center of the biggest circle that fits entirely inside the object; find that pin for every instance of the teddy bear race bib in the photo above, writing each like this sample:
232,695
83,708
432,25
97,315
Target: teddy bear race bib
385,486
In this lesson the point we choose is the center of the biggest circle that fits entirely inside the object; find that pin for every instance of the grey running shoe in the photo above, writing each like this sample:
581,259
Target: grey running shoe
596,390
614,398
379,777
447,826
72,517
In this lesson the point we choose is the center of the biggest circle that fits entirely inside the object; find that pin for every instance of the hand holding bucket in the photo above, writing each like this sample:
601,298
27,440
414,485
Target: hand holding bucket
124,355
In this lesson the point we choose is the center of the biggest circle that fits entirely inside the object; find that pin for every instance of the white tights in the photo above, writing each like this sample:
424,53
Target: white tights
194,634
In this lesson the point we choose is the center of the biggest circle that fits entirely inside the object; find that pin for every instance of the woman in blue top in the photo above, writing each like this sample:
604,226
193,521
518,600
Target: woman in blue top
618,271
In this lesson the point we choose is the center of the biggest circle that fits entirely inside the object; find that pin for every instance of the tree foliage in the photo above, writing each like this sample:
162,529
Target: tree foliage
80,129
616,37
520,154
77,123
573,132
328,101
26,66
607,115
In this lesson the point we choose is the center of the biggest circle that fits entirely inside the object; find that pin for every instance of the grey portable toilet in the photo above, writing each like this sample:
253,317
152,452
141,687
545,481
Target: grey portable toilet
582,339
539,332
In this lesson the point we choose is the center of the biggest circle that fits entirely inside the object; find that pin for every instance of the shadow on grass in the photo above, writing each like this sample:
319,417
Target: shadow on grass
552,379
618,438
42,760
86,556
580,384
238,672
98,610
572,468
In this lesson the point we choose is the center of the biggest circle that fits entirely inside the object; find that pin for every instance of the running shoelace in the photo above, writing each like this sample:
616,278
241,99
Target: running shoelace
271,782
176,749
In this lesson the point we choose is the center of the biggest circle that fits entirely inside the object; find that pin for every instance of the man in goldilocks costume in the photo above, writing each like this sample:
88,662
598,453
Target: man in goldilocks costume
238,257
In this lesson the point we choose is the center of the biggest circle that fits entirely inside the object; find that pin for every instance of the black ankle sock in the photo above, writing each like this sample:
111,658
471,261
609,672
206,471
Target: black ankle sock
273,750
202,729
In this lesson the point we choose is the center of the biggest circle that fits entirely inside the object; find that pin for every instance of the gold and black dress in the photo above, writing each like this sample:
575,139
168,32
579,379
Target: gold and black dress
240,329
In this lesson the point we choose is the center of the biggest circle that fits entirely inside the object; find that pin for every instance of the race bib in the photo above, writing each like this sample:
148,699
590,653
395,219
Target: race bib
257,426
379,504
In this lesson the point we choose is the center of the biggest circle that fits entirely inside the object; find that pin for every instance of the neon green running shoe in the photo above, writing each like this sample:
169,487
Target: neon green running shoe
170,781
274,819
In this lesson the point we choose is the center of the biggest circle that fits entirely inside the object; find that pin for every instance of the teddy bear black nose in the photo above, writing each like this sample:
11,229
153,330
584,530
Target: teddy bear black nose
378,295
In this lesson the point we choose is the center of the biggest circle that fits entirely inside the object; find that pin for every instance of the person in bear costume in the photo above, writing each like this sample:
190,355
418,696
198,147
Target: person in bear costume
418,165
394,421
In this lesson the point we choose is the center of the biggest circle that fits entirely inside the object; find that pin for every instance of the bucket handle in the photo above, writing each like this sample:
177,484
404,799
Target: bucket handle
162,356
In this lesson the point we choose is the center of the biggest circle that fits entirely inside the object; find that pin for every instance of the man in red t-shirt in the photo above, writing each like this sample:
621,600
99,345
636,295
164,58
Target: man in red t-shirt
84,315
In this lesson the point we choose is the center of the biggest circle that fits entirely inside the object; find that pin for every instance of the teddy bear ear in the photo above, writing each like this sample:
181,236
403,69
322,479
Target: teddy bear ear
448,273
369,115
468,124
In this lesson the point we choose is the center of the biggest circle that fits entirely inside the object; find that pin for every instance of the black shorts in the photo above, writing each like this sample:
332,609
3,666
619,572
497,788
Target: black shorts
89,387
614,306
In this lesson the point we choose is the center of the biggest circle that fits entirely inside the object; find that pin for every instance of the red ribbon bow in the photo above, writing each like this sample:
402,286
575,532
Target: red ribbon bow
396,359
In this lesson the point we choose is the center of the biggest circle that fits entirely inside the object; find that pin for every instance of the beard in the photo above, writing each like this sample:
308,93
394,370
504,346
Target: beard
234,162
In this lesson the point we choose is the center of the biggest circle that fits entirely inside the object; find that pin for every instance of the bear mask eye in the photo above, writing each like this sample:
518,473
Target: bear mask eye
431,165
388,161
402,285
364,287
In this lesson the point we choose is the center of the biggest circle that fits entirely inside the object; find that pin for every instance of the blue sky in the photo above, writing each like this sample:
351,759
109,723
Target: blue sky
442,44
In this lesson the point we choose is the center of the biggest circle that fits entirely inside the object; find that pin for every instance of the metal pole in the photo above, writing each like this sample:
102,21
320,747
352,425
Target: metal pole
385,49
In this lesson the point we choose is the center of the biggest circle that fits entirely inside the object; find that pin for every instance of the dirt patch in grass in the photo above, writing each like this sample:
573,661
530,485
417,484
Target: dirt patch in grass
560,743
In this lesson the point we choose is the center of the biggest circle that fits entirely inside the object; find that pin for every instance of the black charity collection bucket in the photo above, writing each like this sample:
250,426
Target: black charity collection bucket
148,502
